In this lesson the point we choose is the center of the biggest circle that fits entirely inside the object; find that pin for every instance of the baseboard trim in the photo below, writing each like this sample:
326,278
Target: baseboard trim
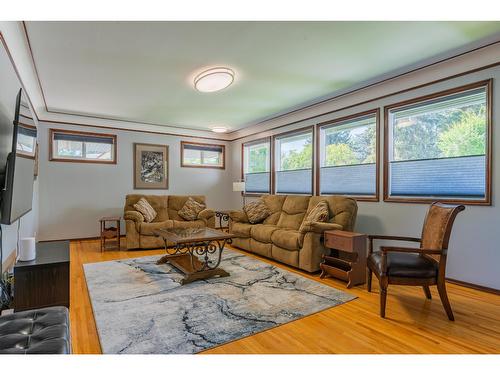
79,239
10,261
474,286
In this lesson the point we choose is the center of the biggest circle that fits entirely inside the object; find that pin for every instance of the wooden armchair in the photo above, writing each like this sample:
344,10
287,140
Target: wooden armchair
424,265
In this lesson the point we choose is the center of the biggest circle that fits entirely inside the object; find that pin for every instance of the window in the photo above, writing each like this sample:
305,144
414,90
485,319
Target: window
26,141
257,166
348,156
202,155
82,147
438,147
294,162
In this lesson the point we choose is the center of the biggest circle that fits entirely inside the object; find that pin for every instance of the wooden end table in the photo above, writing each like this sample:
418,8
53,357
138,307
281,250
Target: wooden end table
110,233
347,259
185,246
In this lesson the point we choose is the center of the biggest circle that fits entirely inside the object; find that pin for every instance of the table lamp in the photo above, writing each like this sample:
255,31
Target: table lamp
240,187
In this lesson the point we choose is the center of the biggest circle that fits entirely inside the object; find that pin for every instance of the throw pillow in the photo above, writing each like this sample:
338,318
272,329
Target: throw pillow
146,210
191,209
319,213
256,211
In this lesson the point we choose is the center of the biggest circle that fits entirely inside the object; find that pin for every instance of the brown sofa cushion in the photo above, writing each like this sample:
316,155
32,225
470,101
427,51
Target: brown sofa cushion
293,211
263,232
191,209
318,214
147,229
158,202
287,239
146,210
176,202
241,229
256,211
275,204
181,224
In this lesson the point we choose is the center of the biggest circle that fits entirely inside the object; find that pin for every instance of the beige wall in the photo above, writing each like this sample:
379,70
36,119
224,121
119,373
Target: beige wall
75,195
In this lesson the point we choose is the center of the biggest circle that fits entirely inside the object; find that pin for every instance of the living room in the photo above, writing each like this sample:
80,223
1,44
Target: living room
168,191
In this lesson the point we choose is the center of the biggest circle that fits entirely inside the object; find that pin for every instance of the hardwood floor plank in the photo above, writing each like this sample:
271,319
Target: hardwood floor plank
413,324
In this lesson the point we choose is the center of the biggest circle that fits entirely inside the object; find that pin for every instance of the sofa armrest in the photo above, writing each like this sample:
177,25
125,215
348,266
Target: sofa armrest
206,214
238,216
320,227
134,216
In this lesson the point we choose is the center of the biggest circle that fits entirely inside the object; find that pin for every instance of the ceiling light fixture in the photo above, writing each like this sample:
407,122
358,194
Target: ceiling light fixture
219,129
214,79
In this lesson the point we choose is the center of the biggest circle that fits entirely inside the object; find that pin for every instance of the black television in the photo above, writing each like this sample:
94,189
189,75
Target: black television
17,165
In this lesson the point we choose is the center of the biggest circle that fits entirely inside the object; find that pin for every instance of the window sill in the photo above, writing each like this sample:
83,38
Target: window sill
485,202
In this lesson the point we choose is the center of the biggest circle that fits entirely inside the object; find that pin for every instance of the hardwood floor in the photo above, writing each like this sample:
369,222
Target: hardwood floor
413,324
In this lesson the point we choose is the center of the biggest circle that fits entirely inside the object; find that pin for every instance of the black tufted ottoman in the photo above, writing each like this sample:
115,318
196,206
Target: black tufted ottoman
41,331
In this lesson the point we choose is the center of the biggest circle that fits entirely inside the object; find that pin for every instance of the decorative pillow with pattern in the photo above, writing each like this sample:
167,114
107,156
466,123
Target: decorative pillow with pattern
256,211
319,213
191,209
146,210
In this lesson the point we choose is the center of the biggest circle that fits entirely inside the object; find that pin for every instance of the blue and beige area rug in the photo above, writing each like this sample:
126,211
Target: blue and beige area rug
140,307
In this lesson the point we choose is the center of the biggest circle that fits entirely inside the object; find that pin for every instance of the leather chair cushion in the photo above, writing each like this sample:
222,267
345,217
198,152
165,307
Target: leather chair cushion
41,331
404,265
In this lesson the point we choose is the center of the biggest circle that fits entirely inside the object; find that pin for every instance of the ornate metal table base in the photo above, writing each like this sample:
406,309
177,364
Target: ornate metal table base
185,257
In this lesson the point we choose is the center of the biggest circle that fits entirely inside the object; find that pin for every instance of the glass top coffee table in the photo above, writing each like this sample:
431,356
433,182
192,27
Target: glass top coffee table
196,252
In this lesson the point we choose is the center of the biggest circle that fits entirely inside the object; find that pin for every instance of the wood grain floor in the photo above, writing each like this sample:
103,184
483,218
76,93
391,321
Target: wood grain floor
413,324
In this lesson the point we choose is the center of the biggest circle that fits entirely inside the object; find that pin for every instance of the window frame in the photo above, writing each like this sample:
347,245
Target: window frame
488,85
306,129
23,154
52,157
332,123
271,161
185,165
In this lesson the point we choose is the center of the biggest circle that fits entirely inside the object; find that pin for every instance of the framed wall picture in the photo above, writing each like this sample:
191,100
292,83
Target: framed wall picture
150,166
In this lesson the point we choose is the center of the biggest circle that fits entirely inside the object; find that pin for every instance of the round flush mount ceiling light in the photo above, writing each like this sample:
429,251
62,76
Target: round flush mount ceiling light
214,79
219,129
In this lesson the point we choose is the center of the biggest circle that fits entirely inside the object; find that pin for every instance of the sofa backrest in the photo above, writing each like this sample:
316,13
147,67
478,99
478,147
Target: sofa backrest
158,202
175,203
293,211
288,211
274,203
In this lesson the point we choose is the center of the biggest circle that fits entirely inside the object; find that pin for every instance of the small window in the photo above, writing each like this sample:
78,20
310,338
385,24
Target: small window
26,141
82,147
348,156
202,155
438,147
294,162
257,166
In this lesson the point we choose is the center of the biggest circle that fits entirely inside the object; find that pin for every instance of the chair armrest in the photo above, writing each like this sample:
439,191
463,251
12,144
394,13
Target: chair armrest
319,227
238,216
133,215
206,214
372,237
385,249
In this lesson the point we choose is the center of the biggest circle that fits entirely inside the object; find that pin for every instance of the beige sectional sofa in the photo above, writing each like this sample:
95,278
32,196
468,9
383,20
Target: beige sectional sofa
140,234
278,236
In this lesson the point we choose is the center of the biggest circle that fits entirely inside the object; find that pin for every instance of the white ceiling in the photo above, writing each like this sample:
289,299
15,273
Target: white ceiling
142,71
